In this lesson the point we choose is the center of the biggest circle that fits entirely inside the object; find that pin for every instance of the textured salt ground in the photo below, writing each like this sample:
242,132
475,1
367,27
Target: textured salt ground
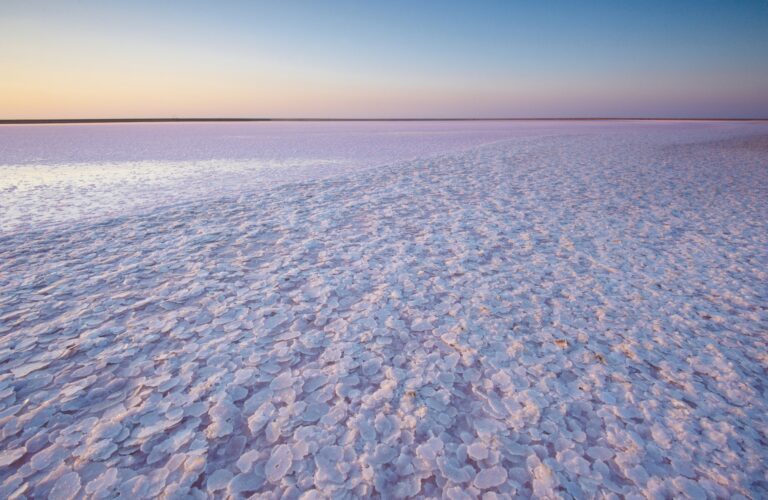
578,316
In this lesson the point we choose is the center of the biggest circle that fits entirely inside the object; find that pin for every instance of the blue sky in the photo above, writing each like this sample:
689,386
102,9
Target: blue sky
352,59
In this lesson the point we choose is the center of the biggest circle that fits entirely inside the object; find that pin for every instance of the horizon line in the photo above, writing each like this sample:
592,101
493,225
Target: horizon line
52,121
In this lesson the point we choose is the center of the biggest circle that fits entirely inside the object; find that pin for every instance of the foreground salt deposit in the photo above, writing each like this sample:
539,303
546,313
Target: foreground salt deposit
581,316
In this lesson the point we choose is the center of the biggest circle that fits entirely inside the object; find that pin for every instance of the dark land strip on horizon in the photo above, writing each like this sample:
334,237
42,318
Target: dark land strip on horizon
182,120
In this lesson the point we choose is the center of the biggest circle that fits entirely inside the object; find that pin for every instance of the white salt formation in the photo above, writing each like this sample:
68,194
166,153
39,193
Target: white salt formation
576,316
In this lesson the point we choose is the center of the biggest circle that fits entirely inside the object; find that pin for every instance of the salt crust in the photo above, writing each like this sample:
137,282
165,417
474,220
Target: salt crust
580,316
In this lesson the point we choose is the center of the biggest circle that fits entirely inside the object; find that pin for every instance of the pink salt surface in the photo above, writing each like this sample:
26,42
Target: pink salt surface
550,310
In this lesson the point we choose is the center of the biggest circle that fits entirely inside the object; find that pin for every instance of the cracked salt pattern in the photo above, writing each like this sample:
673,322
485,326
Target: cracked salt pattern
577,316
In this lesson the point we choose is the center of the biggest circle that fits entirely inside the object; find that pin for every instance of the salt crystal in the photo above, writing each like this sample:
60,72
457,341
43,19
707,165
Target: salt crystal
279,462
490,478
245,462
477,450
421,325
282,381
27,368
599,452
66,487
101,485
7,457
245,483
218,480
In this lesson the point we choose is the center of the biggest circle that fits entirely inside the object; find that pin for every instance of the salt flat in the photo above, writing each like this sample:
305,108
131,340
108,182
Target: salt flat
59,174
572,314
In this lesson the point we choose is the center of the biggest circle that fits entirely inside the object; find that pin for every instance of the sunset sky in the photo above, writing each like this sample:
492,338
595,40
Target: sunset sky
91,59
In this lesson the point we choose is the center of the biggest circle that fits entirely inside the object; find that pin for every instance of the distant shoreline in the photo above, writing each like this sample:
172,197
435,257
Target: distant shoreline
185,120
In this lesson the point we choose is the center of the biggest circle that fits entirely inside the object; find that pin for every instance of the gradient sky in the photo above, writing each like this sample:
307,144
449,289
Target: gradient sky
570,58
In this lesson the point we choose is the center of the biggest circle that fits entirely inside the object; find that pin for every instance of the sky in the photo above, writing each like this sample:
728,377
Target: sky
384,59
